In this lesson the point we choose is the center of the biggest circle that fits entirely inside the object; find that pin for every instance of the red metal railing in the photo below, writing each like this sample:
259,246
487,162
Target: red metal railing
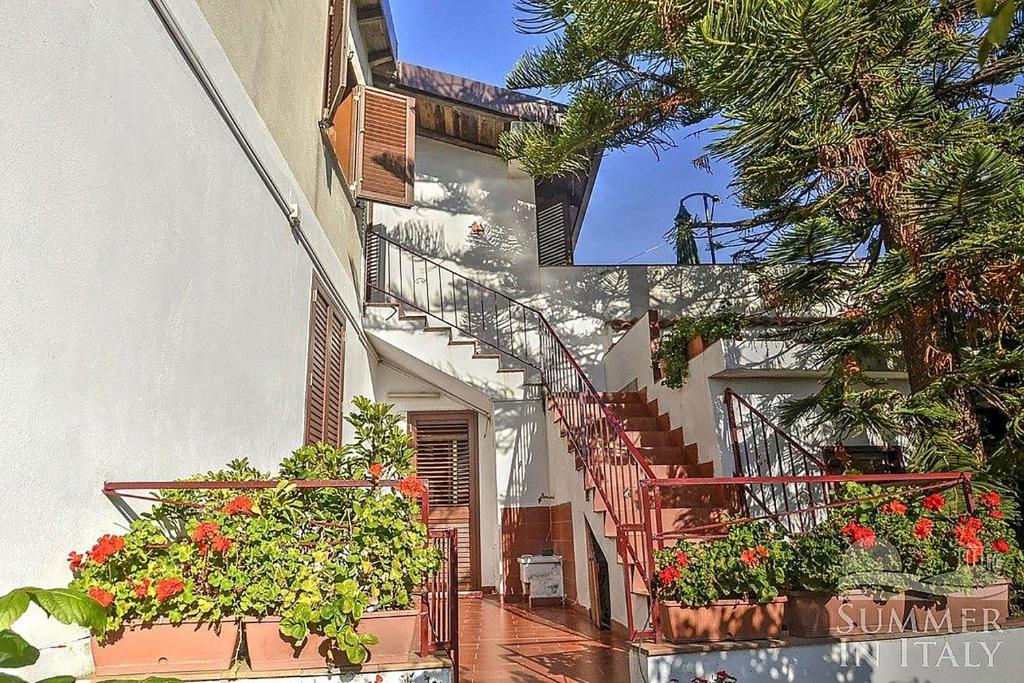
762,449
439,625
653,491
442,596
520,334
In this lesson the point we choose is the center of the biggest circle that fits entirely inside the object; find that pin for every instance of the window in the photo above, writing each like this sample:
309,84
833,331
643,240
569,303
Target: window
371,131
373,134
325,369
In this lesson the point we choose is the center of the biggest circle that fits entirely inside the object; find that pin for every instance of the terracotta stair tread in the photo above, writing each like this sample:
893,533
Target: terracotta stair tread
624,397
660,437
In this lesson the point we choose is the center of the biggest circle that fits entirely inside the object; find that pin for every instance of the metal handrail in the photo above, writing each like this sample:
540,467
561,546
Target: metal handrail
567,385
917,483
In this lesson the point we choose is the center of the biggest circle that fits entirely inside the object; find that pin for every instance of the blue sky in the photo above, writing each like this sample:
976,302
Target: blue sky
637,194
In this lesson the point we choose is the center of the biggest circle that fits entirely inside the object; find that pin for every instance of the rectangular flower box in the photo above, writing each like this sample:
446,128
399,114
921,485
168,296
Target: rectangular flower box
722,620
397,632
163,648
850,613
985,607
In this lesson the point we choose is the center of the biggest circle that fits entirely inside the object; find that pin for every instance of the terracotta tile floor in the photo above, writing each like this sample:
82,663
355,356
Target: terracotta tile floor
511,643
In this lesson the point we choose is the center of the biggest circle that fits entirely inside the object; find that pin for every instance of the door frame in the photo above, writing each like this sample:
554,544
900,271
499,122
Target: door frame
474,482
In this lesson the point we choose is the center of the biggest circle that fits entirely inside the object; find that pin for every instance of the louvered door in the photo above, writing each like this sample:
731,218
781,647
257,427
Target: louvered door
325,369
446,457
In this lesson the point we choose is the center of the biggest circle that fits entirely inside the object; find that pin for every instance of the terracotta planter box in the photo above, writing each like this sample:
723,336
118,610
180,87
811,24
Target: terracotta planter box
163,648
398,637
985,607
695,347
722,620
851,613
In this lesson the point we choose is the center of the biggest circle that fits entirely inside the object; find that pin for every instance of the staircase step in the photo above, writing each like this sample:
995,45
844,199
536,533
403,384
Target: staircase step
646,424
685,517
622,410
624,397
671,455
656,437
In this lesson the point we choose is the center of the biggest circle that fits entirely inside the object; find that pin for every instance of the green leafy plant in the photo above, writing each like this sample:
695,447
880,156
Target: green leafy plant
726,323
749,563
890,543
63,604
318,559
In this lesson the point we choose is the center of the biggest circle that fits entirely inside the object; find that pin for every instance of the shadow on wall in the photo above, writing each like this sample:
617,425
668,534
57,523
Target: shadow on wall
577,300
520,424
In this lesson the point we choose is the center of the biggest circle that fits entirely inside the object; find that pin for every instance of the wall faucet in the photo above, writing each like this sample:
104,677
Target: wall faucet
544,497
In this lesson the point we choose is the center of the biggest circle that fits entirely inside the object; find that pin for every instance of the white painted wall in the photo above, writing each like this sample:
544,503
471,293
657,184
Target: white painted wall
766,373
456,187
996,656
155,301
513,448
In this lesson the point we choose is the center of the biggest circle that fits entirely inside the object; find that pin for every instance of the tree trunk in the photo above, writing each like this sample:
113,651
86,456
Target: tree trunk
929,348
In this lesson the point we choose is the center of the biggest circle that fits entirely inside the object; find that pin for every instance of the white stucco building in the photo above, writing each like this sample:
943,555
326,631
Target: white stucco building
188,184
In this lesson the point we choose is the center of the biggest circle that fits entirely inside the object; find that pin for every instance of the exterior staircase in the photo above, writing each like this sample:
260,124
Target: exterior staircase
618,441
669,456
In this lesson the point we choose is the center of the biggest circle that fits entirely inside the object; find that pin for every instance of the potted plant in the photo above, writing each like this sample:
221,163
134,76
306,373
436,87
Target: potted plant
725,589
320,577
159,618
964,563
384,559
689,337
845,576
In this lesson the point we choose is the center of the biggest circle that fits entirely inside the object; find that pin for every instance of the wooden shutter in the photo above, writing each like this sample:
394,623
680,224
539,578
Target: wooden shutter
561,205
446,458
443,459
326,369
554,226
336,60
385,146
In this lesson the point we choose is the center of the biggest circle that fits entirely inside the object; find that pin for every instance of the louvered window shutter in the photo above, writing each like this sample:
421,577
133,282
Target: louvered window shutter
443,459
385,146
326,370
336,62
554,222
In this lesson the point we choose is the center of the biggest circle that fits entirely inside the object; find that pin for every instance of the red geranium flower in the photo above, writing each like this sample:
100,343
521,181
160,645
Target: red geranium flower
411,487
974,549
105,546
894,507
934,502
1001,546
168,588
762,551
241,505
923,528
376,469
967,530
681,558
221,544
860,535
101,595
991,500
205,530
669,574
75,560
749,558
142,589
997,514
